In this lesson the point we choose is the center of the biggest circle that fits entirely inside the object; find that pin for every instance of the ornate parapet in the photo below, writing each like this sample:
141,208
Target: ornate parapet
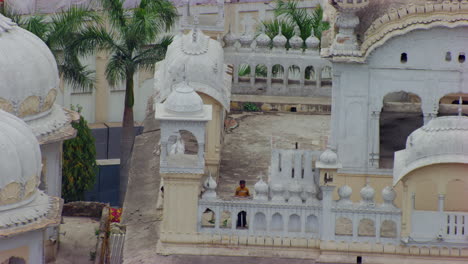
401,21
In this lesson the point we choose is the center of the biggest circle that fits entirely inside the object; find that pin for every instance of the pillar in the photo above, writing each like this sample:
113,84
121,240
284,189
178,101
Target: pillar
252,76
269,76
441,202
374,132
407,208
235,73
181,191
327,223
318,78
102,91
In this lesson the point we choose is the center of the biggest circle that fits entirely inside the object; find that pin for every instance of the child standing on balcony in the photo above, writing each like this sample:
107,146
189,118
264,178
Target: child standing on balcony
243,192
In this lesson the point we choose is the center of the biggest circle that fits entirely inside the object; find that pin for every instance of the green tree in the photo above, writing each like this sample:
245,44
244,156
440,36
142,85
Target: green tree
133,40
59,31
302,18
79,162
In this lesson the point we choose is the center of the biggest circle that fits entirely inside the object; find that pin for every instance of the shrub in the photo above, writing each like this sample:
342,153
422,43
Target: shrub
79,162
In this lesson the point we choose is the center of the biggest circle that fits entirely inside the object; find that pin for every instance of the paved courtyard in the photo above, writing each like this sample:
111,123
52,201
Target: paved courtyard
247,149
246,153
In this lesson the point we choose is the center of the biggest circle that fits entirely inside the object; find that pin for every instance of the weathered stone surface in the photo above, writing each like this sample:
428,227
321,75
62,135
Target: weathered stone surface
388,228
343,227
366,228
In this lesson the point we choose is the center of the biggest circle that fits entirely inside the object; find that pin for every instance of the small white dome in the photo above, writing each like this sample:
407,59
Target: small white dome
230,39
263,40
367,194
442,140
261,187
20,162
328,157
246,39
296,42
28,72
279,41
184,100
312,42
345,194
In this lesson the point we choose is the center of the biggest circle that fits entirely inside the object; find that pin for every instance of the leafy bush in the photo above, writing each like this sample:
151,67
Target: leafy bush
251,107
79,162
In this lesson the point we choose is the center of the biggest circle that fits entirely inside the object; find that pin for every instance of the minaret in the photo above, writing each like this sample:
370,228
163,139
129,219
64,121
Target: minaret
181,115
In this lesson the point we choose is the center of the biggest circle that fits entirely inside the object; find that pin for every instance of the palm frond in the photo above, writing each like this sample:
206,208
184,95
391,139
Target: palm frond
91,38
116,13
116,69
38,26
77,75
148,57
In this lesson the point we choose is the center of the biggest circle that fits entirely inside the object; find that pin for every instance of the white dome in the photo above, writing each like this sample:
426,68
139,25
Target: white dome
279,41
263,40
205,71
28,72
442,140
20,162
312,42
184,100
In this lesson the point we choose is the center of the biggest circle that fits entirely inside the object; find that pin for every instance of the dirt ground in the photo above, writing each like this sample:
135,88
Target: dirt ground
77,240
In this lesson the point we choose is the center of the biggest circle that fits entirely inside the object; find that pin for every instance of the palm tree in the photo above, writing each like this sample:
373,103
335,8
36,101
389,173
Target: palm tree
133,42
58,32
300,17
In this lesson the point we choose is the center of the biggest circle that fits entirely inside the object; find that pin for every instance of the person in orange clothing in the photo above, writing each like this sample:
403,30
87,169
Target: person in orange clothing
243,192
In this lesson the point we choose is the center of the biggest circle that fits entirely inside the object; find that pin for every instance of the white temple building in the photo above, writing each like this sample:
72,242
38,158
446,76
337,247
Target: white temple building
28,89
25,211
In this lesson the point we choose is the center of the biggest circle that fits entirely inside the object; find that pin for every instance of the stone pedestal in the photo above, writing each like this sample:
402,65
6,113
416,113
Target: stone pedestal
181,193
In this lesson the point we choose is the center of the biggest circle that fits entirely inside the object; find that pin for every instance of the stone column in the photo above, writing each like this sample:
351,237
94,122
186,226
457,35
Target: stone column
318,78
269,76
102,89
374,132
441,202
335,122
327,223
252,76
180,216
235,73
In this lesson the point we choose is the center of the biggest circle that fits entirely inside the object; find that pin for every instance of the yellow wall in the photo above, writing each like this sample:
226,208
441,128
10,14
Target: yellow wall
430,181
22,252
214,134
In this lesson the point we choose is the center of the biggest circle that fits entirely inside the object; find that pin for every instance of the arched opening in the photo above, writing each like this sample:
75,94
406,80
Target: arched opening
277,222
388,228
294,223
326,75
366,227
343,227
277,73
208,218
260,222
242,220
311,224
15,260
401,115
182,149
456,196
449,105
225,220
309,75
244,72
261,72
294,74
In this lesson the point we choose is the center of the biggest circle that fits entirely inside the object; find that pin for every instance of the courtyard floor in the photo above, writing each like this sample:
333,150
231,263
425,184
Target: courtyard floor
246,154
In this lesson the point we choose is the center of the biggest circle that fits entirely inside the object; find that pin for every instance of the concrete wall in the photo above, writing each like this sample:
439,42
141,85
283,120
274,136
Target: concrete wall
28,246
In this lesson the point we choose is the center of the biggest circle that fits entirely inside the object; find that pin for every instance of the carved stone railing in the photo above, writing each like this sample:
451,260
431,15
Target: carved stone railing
434,226
264,218
275,69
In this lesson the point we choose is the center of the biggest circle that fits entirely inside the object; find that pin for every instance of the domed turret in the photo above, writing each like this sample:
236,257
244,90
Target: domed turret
367,195
230,39
312,42
30,83
246,39
20,162
442,140
28,72
184,100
